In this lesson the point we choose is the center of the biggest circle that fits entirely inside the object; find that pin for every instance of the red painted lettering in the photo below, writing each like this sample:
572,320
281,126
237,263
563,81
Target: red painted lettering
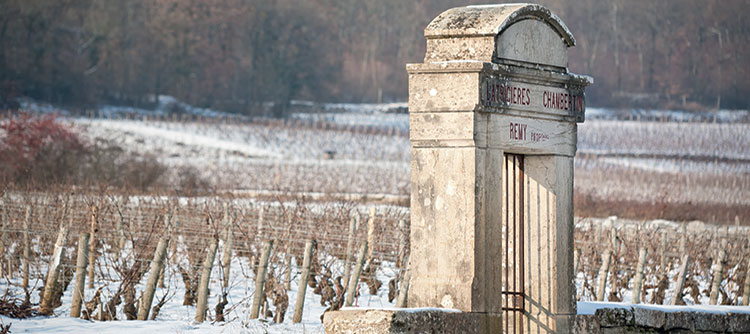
528,97
517,131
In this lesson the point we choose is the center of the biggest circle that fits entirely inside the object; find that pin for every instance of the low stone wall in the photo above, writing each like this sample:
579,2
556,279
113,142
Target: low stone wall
644,320
624,320
408,321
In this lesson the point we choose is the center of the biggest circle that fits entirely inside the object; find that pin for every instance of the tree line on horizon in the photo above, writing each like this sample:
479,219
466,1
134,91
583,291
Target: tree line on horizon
236,55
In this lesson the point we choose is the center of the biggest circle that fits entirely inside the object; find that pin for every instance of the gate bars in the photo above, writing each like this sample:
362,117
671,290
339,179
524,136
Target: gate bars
513,231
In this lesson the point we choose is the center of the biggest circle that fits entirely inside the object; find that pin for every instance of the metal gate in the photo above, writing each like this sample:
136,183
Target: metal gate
513,258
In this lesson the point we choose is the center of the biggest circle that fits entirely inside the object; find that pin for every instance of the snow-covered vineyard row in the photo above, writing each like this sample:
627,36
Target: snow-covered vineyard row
196,221
666,244
698,141
623,160
356,149
256,171
671,140
127,230
678,134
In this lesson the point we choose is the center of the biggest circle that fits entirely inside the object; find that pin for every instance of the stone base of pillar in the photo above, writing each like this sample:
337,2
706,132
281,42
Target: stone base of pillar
409,321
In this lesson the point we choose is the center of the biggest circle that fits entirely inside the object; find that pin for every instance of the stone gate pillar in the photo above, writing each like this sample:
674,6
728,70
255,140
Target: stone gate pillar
493,113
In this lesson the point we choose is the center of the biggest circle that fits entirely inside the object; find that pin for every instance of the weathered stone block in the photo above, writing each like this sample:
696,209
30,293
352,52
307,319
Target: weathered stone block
644,320
738,323
499,32
615,317
586,324
409,321
450,88
710,322
679,320
648,318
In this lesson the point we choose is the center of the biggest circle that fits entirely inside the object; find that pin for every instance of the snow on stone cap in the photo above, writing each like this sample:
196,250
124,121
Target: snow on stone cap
490,20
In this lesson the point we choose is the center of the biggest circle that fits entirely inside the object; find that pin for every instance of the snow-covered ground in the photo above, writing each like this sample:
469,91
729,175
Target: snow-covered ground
692,162
261,157
642,156
248,155
176,318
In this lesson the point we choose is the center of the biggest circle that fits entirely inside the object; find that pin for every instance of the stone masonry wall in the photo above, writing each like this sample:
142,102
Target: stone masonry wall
642,320
605,321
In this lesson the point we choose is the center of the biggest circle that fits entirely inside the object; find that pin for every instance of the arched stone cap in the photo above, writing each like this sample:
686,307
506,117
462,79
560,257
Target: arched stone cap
477,33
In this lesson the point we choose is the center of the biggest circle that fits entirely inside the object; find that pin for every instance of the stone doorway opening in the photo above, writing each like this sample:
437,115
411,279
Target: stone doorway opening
512,294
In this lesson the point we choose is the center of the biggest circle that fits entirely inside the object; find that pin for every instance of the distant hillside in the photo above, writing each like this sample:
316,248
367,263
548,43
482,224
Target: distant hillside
236,54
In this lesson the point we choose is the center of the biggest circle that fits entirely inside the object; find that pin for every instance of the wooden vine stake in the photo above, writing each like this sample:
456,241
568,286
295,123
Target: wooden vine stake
718,268
663,261
302,287
26,247
202,304
603,271
638,280
746,288
353,283
607,259
349,249
260,280
371,234
168,227
81,262
288,274
92,246
226,259
403,286
681,276
53,272
153,276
